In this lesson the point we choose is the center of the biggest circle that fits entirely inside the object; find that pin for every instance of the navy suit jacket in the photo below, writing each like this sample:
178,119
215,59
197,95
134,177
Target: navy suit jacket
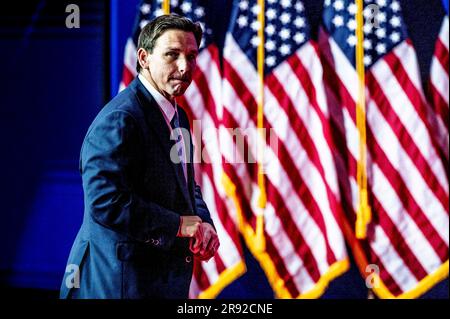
133,196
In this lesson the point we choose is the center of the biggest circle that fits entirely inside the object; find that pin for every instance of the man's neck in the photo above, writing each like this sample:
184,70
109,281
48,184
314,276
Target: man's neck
150,80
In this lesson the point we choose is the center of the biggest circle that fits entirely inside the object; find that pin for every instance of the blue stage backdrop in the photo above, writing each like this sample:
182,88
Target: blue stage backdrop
54,81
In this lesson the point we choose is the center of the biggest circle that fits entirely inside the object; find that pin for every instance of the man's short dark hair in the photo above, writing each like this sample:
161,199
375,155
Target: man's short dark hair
153,30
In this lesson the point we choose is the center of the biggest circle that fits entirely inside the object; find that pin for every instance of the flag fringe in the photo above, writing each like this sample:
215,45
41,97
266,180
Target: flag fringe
421,288
275,281
225,278
382,291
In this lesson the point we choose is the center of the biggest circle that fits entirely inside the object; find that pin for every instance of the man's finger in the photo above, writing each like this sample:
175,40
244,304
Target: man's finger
205,242
192,244
195,245
191,229
205,257
198,236
208,255
211,244
211,251
216,246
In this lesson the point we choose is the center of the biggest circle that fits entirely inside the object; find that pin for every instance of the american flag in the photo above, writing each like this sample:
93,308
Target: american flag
407,238
439,86
304,245
202,102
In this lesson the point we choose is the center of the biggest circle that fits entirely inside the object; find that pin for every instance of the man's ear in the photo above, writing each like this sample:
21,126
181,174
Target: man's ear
142,56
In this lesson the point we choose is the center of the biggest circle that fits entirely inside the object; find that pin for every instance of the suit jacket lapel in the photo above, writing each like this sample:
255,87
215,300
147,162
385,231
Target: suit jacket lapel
156,121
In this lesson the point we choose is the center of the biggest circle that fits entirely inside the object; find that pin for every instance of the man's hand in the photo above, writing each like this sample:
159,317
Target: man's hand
189,226
205,243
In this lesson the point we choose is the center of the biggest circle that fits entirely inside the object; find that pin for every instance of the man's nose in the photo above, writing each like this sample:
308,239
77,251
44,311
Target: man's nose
183,65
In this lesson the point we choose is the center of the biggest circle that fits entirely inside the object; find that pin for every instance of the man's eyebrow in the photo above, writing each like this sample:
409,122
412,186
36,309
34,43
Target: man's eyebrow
178,49
172,49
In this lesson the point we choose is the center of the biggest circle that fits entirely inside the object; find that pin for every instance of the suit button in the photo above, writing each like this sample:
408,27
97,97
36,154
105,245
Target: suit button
188,259
157,242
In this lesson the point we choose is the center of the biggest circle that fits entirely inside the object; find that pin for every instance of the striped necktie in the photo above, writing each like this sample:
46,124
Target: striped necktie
175,124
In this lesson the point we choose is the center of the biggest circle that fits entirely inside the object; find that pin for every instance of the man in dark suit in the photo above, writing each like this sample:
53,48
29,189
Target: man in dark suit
145,219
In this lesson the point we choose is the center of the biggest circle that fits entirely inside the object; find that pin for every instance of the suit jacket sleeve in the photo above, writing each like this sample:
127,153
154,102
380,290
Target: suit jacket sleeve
202,209
108,160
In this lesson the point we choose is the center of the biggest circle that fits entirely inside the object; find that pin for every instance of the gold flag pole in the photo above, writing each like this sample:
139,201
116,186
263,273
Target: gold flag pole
166,6
262,200
363,214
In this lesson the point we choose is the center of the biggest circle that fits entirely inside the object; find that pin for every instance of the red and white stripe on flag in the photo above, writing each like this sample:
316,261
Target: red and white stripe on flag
304,244
439,86
406,249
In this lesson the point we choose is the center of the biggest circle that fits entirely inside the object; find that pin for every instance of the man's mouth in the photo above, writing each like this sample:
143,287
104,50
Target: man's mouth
180,80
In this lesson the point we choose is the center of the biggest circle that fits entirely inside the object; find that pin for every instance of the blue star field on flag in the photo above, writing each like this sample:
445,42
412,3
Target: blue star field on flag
383,28
286,29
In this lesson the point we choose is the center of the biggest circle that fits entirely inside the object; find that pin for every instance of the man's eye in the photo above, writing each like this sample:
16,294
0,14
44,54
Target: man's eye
171,54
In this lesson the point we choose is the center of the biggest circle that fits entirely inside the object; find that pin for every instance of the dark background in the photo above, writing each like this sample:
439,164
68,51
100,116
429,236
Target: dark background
54,80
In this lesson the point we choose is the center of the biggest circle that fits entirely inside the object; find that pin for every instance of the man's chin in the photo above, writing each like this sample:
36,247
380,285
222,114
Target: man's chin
177,91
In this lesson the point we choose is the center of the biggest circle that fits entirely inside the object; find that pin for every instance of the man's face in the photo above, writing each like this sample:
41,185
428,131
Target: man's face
172,62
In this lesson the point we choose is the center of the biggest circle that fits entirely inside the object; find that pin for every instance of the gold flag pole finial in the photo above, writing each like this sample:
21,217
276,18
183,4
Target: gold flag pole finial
363,214
166,6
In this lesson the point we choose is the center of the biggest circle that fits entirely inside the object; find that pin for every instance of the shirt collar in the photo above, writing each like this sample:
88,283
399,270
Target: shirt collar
164,104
